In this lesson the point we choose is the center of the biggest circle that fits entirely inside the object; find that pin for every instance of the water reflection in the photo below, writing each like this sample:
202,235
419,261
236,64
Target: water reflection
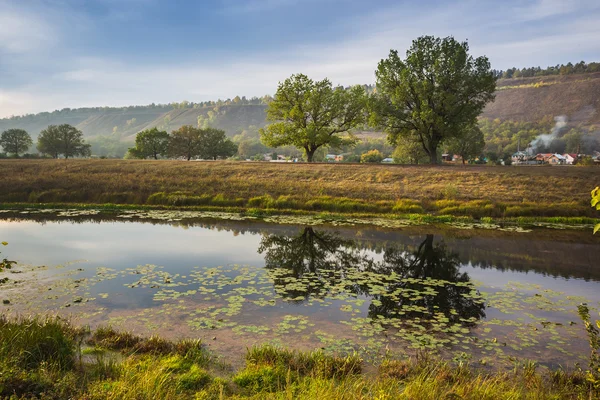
424,283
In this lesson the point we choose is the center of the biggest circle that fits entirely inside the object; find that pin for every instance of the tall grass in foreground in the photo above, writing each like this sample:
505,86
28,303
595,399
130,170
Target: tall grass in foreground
39,359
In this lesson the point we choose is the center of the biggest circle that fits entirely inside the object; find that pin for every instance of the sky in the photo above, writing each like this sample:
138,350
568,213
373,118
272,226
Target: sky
83,53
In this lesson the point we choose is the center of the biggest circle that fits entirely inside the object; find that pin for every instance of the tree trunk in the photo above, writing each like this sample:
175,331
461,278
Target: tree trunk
463,160
309,154
433,155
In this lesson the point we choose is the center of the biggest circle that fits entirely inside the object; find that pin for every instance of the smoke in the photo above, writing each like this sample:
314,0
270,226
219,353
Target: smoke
545,139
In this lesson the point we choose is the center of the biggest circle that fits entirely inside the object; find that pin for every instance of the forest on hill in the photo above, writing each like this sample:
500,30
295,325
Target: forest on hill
527,101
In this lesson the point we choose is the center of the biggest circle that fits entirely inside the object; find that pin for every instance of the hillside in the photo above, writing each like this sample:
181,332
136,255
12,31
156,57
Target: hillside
531,99
130,120
519,99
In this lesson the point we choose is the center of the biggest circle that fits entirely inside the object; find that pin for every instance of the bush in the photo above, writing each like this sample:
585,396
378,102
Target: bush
373,156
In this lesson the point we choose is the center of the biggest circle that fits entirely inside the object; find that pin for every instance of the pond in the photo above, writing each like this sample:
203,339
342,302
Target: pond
485,295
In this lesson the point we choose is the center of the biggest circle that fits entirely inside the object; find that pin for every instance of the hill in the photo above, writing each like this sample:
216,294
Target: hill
127,121
531,99
519,100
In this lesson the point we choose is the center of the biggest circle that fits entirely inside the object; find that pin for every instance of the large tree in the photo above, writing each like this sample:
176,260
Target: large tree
15,141
433,94
150,143
215,144
185,142
63,140
309,114
469,144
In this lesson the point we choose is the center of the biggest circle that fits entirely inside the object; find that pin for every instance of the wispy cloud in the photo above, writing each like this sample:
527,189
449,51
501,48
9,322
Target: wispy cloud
68,76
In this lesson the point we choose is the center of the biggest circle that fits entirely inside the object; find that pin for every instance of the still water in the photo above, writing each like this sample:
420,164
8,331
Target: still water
483,295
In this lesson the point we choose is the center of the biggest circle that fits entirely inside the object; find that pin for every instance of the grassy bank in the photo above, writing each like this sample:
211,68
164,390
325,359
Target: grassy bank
474,191
48,358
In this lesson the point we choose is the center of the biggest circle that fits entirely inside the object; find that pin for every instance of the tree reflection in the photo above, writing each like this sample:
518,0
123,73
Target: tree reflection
431,281
316,260
422,283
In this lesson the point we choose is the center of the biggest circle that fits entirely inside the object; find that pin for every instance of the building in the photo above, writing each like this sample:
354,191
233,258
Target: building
570,159
556,159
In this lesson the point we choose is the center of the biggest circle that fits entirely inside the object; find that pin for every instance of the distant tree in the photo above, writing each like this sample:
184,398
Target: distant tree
372,156
309,114
409,151
15,141
151,143
214,144
63,140
469,144
433,94
185,142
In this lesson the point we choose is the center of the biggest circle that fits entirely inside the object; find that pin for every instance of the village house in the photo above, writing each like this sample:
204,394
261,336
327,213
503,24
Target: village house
570,159
556,159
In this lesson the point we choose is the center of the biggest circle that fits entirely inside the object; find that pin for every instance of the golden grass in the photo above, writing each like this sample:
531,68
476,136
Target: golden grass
561,191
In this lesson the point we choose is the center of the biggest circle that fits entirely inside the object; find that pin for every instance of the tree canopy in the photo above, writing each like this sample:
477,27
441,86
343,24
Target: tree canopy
150,143
469,144
309,114
15,141
214,144
436,92
208,143
63,140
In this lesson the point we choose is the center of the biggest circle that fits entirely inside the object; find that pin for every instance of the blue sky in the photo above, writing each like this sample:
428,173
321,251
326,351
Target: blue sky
76,53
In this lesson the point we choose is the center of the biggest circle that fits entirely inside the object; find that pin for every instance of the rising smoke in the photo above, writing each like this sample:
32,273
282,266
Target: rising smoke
545,139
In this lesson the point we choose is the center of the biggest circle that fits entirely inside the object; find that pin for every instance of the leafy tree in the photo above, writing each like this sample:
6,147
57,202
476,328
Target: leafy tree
151,143
409,151
437,91
468,145
185,142
62,139
372,156
596,204
215,144
309,114
15,141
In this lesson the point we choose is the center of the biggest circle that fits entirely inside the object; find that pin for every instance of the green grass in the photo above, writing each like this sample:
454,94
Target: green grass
475,191
39,360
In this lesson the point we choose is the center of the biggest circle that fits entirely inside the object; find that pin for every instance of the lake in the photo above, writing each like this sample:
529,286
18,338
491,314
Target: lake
482,295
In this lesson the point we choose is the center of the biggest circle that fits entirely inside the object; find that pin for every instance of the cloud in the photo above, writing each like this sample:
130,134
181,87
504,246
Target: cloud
348,54
23,32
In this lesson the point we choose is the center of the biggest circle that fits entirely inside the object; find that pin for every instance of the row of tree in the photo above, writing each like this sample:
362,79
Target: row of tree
187,142
559,69
430,98
54,141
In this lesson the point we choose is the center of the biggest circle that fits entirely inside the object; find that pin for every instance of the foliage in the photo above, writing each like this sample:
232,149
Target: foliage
469,144
209,143
437,91
409,151
559,69
371,156
63,140
593,375
214,144
185,142
503,138
150,143
596,203
15,141
310,114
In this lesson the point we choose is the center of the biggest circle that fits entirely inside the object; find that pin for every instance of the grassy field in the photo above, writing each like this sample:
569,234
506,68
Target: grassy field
49,359
476,191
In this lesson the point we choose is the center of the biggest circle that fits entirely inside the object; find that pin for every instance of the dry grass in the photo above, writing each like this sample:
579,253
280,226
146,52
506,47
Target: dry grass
500,191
